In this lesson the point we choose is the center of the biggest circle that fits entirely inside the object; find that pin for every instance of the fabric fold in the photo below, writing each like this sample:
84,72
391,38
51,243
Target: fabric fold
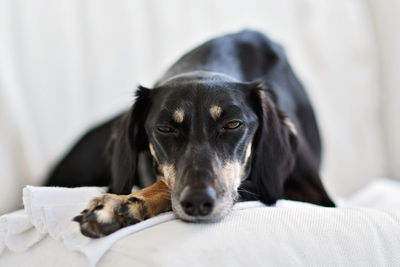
17,233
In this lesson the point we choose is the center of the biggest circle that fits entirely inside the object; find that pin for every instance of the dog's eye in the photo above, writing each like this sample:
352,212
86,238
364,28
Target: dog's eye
232,125
165,129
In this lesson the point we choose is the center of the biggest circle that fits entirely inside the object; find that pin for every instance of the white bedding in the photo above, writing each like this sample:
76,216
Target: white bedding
252,237
292,233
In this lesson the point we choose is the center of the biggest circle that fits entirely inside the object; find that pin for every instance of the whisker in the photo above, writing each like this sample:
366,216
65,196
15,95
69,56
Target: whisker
248,192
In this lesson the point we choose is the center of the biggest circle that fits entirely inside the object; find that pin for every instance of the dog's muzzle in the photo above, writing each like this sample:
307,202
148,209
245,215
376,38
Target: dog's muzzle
198,201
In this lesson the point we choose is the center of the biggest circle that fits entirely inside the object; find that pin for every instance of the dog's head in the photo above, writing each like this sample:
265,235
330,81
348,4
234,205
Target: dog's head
206,133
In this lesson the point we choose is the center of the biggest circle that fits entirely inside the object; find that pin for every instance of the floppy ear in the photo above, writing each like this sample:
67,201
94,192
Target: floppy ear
275,145
128,140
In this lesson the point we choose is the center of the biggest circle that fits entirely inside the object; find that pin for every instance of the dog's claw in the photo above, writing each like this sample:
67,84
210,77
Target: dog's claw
78,218
106,215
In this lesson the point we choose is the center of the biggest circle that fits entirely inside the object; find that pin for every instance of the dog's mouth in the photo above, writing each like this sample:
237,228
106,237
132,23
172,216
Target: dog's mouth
203,208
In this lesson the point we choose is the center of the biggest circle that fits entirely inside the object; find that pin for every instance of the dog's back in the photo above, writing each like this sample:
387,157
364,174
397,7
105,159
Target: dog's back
245,56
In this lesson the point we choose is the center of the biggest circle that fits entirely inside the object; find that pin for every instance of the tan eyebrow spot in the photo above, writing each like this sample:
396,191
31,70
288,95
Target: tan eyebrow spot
215,112
178,115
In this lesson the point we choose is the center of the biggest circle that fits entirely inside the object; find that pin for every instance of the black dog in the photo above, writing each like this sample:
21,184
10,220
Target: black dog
228,121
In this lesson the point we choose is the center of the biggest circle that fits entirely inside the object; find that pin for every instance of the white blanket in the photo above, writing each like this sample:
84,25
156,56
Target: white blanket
48,211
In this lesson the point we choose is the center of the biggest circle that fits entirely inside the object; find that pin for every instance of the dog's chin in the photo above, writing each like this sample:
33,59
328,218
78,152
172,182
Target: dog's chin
222,207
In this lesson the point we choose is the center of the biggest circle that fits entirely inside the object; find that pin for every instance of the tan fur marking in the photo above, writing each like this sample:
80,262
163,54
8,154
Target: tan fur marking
178,115
152,152
231,173
215,112
246,159
110,202
289,123
169,174
156,199
135,210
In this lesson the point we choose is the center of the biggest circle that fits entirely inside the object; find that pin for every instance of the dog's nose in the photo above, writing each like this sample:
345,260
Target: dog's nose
198,201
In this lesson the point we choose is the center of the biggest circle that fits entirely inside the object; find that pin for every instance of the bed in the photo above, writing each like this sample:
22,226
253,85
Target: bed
363,231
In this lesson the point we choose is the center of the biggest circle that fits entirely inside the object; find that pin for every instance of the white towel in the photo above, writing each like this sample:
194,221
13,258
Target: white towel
49,210
39,200
17,233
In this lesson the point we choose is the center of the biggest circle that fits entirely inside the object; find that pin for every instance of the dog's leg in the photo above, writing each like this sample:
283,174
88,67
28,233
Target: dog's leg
108,213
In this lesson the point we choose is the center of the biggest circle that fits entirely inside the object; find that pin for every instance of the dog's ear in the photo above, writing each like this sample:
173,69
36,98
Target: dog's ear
275,145
304,184
129,138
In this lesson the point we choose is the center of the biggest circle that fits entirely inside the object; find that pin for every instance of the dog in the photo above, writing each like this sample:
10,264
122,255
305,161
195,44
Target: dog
229,121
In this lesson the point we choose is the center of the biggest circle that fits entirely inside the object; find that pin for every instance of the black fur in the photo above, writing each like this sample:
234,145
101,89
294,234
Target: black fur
258,78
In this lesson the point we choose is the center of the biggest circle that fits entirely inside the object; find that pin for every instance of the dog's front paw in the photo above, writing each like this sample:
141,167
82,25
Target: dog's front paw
108,213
